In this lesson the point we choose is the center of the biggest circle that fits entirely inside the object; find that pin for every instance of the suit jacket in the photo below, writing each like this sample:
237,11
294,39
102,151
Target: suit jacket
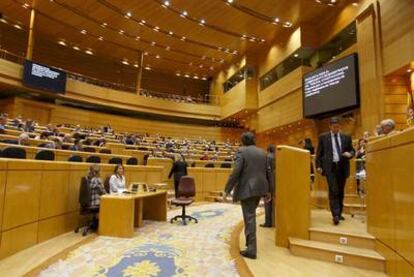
324,155
250,176
179,169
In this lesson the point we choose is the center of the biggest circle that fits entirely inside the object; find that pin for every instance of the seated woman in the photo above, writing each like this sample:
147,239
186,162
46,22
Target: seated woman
117,180
95,184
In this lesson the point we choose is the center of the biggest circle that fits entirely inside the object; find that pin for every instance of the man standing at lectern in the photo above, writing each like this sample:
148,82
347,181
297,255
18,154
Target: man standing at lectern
332,160
249,181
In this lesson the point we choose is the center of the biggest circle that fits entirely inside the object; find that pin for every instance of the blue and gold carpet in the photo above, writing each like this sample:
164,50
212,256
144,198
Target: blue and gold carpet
161,248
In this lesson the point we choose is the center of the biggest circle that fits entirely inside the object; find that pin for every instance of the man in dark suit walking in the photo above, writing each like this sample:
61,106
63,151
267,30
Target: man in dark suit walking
249,181
332,160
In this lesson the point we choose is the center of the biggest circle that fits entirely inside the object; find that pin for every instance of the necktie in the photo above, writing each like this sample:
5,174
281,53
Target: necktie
337,146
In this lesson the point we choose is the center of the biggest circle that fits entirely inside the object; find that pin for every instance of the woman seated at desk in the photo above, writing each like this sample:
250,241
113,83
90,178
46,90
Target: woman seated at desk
117,180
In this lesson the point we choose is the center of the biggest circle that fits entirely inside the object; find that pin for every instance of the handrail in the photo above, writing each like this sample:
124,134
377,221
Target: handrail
206,99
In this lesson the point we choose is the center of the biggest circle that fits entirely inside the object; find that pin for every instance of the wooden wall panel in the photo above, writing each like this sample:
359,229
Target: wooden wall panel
234,100
3,167
17,239
395,101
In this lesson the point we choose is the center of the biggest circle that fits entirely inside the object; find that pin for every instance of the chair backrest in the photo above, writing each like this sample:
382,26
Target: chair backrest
84,193
45,155
209,165
10,141
75,158
115,160
89,149
65,147
186,187
105,151
193,164
142,148
93,159
225,165
14,153
132,161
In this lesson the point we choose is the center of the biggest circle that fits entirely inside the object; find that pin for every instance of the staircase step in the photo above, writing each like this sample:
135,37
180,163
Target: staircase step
346,255
342,238
216,193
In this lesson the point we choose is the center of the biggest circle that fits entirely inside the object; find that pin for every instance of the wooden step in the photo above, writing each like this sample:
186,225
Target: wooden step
346,255
354,208
342,238
216,193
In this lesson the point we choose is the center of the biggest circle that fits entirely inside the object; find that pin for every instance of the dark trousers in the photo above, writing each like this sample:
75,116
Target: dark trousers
269,212
336,183
249,207
176,182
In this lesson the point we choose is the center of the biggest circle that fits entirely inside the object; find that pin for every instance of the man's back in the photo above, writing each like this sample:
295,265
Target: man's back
249,177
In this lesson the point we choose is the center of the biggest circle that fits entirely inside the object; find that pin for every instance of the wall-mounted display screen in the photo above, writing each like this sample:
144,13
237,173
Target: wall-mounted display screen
43,77
331,88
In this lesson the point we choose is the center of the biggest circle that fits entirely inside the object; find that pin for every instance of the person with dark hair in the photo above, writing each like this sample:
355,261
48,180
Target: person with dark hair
77,146
332,160
179,169
307,145
249,181
271,173
117,180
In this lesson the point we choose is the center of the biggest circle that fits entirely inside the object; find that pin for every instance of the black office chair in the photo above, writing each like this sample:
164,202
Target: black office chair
75,158
86,209
209,165
185,194
14,153
105,151
89,149
45,155
115,160
225,165
93,159
107,185
132,161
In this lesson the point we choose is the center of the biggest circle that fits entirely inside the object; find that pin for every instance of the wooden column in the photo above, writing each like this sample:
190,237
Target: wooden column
30,42
140,68
370,69
292,205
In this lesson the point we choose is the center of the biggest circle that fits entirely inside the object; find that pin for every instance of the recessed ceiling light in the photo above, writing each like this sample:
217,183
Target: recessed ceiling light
183,38
355,4
125,62
84,32
202,21
333,1
147,67
409,70
235,52
128,14
3,20
211,67
26,6
153,43
100,38
76,48
168,48
17,26
121,32
287,24
166,3
203,57
142,22
89,52
61,42
187,76
137,38
184,14
296,55
195,77
201,66
170,33
156,28
136,65
230,1
157,56
104,24
145,53
204,78
178,74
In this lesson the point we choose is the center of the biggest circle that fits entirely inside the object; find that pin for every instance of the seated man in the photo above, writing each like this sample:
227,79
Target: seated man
388,126
23,139
3,122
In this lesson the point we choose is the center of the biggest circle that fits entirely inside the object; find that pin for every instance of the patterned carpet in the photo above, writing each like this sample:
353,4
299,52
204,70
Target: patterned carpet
161,248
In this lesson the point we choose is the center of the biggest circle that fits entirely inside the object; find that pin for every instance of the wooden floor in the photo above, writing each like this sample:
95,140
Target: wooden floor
24,261
275,261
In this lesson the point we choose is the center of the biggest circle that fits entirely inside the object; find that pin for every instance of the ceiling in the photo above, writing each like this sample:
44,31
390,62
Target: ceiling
120,30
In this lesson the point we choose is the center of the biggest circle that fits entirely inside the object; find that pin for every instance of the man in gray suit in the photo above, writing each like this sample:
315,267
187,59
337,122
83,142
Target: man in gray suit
249,181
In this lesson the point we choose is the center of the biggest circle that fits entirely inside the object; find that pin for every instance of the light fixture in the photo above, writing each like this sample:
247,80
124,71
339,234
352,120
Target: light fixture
409,70
183,38
153,43
89,52
84,32
184,14
136,65
137,38
204,78
104,24
287,24
170,33
202,22
100,38
178,74
201,66
125,62
147,67
296,55
355,4
61,42
166,4
142,22
145,53
76,48
187,76
203,57
211,68
3,20
17,26
156,29
26,6
128,14
157,56
230,1
121,32
168,48
195,77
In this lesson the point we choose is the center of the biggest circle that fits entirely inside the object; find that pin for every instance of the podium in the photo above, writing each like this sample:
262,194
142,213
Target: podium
292,205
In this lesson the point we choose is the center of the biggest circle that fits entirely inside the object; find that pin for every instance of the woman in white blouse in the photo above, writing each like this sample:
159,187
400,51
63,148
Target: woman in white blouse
117,180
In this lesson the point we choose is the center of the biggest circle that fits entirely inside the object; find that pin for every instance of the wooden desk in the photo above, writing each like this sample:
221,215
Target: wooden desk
120,214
